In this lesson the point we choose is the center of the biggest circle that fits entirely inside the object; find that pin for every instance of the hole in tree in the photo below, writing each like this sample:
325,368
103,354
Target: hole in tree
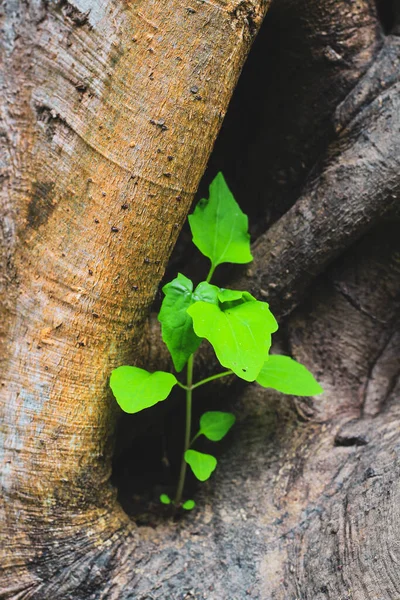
148,453
387,13
267,147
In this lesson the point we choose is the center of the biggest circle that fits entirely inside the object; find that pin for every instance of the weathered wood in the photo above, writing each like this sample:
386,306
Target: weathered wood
110,111
305,501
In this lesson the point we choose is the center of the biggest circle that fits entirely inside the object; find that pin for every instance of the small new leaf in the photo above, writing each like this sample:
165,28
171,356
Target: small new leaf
239,328
219,227
201,464
165,499
136,389
189,505
176,324
286,375
215,425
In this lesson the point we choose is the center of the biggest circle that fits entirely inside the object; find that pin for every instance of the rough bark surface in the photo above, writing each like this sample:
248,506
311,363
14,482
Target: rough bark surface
109,113
98,179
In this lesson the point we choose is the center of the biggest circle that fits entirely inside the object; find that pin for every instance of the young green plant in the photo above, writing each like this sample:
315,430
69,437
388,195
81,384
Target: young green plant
237,325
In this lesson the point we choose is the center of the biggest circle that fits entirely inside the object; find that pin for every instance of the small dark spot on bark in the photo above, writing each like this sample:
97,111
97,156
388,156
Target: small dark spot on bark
90,272
81,86
167,175
160,123
95,315
81,344
170,158
96,221
135,288
350,440
194,89
198,97
190,10
114,229
41,205
368,473
134,39
124,206
147,260
77,17
324,589
46,368
178,198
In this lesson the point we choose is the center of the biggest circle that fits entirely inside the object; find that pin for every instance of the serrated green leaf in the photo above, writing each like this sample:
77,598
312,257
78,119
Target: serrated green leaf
165,499
219,227
286,375
136,389
215,425
201,464
176,324
189,505
239,331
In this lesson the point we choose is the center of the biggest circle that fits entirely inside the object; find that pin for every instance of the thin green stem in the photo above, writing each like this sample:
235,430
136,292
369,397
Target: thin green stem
189,387
218,376
210,274
181,385
192,441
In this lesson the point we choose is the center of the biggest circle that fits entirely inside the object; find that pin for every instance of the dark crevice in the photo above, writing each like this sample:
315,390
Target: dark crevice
350,440
388,13
148,454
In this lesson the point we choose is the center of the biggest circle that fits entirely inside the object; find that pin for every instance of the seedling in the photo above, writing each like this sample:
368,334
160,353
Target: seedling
237,325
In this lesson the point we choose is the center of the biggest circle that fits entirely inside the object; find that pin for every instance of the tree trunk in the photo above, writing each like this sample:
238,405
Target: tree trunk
109,111
109,114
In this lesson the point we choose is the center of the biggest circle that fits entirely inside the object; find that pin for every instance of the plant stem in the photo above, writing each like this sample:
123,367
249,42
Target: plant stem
210,274
181,385
189,388
203,381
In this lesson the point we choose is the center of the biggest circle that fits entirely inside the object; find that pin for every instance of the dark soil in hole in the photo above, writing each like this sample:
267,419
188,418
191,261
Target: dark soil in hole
148,456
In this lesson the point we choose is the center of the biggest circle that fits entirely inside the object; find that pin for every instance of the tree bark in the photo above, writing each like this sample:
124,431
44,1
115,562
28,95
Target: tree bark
109,113
109,120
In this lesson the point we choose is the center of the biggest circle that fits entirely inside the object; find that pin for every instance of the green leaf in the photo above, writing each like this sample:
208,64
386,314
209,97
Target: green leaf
136,389
206,292
219,227
165,499
239,331
201,464
189,504
176,324
215,425
286,375
233,295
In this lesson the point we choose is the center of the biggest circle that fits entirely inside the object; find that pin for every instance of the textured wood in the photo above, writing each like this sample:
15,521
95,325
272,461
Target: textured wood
110,110
305,501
